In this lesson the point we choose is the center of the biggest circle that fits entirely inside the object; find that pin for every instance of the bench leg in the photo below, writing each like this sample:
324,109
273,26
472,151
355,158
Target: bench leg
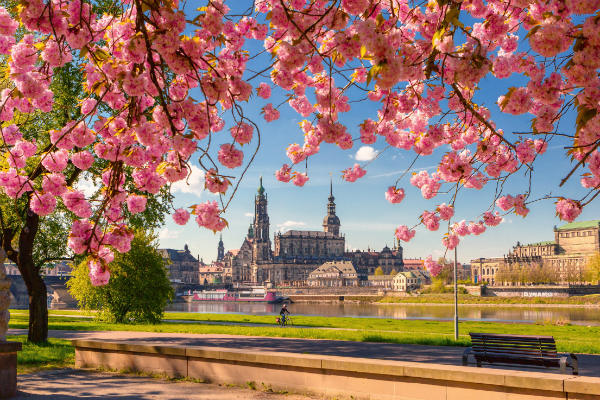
563,365
574,364
465,357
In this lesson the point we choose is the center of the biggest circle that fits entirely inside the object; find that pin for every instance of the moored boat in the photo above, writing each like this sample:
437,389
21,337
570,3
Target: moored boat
252,294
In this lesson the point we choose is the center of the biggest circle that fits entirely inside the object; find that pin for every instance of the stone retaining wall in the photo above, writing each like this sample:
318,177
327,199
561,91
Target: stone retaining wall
541,291
335,376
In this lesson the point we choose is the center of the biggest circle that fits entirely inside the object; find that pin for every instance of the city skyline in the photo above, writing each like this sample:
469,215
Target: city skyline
304,208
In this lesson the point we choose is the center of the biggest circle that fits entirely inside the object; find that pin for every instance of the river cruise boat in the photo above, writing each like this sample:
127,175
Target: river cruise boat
250,294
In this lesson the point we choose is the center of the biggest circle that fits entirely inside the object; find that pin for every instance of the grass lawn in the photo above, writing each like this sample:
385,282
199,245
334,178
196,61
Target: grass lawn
569,338
57,353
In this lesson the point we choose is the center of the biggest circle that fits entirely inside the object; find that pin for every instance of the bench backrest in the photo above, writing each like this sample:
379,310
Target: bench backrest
514,346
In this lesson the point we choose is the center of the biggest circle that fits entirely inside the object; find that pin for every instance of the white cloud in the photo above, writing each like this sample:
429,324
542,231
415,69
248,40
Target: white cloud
194,184
248,214
165,233
366,153
291,224
86,185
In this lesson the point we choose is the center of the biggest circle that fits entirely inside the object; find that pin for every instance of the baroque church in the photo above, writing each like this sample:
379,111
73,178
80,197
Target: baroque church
296,253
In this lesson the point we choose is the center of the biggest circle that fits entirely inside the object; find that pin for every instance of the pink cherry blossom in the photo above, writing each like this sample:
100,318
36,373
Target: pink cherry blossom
354,173
99,274
404,234
216,183
82,160
492,219
505,202
433,267
181,216
264,90
477,228
567,209
229,156
56,161
270,113
394,195
242,133
461,228
208,216
284,173
300,179
450,241
42,203
136,203
446,211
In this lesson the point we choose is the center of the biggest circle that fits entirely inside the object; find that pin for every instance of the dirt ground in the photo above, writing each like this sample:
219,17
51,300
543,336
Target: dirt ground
69,384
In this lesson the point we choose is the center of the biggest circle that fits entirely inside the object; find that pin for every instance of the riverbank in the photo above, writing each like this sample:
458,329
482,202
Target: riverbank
592,300
569,338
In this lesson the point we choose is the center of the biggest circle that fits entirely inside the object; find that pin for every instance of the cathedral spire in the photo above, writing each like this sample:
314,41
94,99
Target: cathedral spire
261,189
331,222
220,250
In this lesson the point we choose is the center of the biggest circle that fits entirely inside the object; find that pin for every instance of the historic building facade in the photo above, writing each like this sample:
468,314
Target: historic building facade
335,274
388,259
565,258
296,253
183,267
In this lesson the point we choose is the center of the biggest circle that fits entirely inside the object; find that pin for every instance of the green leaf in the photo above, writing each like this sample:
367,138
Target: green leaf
584,114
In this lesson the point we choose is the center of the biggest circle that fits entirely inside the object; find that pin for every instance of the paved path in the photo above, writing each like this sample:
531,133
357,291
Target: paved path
69,384
589,365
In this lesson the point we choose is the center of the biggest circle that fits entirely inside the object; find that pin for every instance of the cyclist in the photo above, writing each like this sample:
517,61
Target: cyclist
283,311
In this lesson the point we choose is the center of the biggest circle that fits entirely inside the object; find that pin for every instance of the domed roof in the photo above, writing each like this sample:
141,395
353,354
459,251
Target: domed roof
331,220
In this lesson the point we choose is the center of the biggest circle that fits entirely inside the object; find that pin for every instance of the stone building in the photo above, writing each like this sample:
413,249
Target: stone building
388,259
406,281
334,274
296,253
412,263
211,274
565,257
182,265
380,281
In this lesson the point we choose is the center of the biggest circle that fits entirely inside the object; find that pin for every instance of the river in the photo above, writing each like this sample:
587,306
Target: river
496,313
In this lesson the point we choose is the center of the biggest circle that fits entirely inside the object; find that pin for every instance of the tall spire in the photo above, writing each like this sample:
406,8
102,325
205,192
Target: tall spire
220,249
331,222
261,189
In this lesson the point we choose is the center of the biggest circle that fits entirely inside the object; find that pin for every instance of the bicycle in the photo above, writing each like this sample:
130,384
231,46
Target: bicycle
285,322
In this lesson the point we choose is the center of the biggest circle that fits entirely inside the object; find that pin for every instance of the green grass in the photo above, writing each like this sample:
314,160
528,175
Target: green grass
569,338
57,353
447,298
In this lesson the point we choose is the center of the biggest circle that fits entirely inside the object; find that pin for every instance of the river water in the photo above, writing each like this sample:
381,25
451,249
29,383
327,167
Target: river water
527,314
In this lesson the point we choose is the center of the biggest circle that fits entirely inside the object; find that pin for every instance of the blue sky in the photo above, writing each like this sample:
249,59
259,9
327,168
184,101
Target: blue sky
367,219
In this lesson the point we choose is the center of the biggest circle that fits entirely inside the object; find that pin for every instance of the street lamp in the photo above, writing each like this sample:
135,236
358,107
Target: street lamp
455,299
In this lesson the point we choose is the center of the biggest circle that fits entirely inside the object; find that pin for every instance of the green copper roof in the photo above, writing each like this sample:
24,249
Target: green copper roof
261,189
546,243
580,225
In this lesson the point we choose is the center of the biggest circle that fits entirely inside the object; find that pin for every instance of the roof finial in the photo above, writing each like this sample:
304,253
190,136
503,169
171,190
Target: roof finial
330,184
261,189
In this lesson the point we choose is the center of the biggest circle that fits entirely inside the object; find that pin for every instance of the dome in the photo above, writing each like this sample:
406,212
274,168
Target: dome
331,220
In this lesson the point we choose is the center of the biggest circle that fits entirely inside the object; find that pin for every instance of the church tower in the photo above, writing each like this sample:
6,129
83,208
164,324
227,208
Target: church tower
331,222
221,250
261,243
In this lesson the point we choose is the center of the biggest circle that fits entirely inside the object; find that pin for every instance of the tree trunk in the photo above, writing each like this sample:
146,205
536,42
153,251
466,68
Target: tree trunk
38,302
38,311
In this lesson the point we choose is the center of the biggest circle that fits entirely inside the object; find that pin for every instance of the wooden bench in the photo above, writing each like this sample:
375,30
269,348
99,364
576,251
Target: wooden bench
534,351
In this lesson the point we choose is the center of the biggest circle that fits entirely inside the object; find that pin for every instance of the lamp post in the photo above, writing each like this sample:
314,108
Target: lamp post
455,298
